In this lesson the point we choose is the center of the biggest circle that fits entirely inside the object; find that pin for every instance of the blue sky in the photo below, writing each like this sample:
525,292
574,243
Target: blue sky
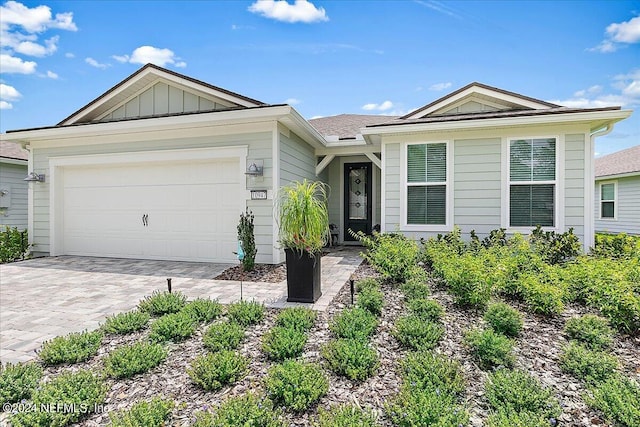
324,57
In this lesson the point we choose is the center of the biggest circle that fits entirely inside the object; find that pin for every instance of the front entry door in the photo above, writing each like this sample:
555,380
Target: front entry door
357,199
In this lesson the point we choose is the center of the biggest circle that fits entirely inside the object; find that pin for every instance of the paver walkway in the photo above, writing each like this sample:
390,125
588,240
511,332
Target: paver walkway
46,297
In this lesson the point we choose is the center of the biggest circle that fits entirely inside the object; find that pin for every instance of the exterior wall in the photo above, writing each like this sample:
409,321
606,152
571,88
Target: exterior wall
627,209
479,177
297,159
259,147
13,205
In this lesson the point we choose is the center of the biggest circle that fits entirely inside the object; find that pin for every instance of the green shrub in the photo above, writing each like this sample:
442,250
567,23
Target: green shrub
18,381
223,336
72,348
590,330
416,287
490,349
174,327
541,297
245,313
160,303
616,246
215,370
366,283
246,410
125,323
555,248
246,236
467,280
203,310
416,333
618,398
589,365
296,385
354,359
392,255
14,244
80,392
130,360
282,343
509,418
154,413
346,416
518,391
426,309
297,317
425,370
413,407
504,319
372,300
354,323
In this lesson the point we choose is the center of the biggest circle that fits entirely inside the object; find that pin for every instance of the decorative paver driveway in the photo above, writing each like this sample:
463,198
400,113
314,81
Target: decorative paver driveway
46,297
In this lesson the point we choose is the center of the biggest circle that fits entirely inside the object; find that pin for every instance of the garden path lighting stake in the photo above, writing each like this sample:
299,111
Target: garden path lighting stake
352,290
240,255
169,284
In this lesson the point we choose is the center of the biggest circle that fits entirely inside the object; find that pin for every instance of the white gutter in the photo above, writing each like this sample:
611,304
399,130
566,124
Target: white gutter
590,187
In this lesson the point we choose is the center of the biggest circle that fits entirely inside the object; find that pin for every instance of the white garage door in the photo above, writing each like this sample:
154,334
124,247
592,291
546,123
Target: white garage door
186,211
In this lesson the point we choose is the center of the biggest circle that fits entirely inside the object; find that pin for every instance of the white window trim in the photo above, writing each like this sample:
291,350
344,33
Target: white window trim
448,226
558,182
615,200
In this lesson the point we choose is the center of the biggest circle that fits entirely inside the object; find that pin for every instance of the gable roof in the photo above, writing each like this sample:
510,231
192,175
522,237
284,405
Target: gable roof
11,150
346,126
145,77
618,163
505,98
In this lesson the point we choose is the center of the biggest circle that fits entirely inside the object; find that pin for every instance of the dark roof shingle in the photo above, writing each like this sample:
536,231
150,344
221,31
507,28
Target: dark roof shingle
11,150
347,126
624,161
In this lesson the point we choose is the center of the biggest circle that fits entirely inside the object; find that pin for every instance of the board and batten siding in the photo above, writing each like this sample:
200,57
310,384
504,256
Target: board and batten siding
259,147
628,206
12,180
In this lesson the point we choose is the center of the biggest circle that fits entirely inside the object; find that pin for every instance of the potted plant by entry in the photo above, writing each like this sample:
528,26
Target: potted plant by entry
304,231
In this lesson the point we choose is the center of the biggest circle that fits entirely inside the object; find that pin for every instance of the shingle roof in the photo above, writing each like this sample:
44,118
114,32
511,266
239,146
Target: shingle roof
347,126
11,150
624,161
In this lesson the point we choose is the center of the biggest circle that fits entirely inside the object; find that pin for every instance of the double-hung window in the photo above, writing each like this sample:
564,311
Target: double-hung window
532,182
608,200
426,184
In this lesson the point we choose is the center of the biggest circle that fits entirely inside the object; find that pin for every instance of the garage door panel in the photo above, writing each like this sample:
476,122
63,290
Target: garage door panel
193,209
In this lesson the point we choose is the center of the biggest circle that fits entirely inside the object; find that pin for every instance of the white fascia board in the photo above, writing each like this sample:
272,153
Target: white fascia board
612,116
617,175
294,121
9,161
218,118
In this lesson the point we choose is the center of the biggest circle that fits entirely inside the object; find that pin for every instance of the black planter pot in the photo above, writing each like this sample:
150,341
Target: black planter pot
303,276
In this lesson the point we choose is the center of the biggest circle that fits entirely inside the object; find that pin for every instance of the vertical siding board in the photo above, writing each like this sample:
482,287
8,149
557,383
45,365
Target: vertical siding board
160,98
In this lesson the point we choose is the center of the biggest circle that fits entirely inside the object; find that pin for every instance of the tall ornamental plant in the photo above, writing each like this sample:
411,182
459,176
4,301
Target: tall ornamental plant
247,238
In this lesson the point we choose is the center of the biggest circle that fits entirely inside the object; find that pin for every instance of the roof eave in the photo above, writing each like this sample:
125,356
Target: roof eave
617,175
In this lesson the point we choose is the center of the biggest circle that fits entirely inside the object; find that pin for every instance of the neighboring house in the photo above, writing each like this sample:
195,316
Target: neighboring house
161,165
13,188
617,192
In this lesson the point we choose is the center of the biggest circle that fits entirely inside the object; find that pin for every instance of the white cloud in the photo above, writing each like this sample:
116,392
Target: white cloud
281,10
13,65
440,86
627,32
9,93
4,105
52,75
292,101
153,55
625,93
386,105
34,20
95,63
35,49
69,55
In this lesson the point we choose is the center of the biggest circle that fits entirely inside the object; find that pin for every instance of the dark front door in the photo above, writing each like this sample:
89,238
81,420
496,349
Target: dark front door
357,198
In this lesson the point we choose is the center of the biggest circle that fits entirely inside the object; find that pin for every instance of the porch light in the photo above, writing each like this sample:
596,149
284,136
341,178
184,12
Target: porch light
255,168
34,177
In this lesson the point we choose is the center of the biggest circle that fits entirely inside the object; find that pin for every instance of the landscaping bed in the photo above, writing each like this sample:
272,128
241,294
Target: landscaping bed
414,322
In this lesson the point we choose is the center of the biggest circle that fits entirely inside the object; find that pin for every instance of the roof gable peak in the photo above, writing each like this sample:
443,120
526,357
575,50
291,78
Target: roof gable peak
478,98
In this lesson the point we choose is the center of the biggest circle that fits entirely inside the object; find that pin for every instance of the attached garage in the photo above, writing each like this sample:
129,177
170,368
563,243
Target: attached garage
178,205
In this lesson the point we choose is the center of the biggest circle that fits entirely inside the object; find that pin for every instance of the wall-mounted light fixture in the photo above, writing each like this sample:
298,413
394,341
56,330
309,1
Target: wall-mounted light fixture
254,168
34,177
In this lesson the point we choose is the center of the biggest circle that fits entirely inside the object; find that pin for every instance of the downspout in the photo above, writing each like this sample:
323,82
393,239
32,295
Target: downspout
589,185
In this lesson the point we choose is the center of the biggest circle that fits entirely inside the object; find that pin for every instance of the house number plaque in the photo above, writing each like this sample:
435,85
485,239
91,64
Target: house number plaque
258,194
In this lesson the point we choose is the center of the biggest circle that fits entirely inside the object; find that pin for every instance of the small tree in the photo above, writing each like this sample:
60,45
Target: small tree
245,235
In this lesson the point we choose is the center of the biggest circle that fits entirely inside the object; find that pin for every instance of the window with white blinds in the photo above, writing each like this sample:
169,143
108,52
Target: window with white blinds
608,200
427,184
532,182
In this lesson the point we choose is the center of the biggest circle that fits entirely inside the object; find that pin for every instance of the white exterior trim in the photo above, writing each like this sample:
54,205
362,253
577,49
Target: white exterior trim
18,162
324,163
57,167
383,189
374,159
615,200
275,161
449,184
30,198
618,175
559,217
